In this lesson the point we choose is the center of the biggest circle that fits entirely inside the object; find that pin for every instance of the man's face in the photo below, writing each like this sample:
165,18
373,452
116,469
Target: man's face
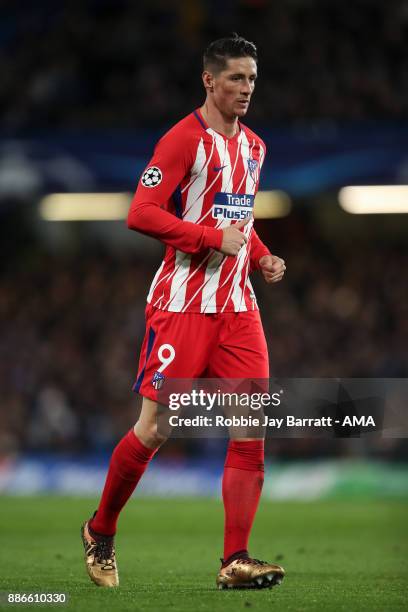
233,86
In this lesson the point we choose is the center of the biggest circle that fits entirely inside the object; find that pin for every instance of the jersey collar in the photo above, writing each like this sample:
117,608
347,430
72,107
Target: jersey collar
206,127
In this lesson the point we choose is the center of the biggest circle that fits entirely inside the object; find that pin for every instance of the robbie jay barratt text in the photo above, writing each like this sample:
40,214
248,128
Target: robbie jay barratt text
250,421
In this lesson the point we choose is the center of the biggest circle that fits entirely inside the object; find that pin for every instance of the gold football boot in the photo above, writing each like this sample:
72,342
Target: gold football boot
247,573
100,558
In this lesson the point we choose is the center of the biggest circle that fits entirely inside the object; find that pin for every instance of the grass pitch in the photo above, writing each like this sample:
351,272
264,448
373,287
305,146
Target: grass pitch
338,555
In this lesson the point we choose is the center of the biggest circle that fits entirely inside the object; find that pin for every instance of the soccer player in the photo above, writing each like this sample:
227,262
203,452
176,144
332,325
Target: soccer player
196,196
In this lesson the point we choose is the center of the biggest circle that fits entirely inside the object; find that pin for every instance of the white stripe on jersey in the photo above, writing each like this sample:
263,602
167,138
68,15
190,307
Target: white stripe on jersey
201,287
231,272
153,285
195,196
169,276
239,263
209,211
244,287
211,282
210,276
246,153
261,156
237,290
185,282
225,161
178,284
230,182
204,167
252,294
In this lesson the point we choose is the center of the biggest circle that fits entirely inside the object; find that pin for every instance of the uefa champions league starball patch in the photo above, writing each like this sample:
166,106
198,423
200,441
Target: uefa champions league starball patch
158,380
152,177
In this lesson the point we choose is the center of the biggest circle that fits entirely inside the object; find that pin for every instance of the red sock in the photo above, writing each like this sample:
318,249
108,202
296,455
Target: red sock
128,462
241,489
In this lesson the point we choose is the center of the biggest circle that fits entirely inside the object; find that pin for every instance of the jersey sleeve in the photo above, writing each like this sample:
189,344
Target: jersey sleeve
258,250
170,163
154,209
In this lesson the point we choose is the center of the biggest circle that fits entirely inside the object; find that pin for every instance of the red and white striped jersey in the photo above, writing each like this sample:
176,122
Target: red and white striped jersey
198,182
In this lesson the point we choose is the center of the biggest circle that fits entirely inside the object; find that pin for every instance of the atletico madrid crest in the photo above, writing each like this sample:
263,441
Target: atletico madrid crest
158,380
253,167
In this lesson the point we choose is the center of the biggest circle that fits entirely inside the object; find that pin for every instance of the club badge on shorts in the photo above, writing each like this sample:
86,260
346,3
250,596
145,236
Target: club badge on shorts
158,380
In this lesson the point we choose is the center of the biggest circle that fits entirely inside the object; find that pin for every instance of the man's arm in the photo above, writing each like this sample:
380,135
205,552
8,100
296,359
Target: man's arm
170,163
258,250
150,219
271,266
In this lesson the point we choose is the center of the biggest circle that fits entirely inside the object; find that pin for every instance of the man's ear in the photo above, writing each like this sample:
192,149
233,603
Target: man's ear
208,80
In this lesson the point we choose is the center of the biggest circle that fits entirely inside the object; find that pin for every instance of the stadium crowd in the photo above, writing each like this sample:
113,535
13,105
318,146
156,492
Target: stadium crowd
118,63
71,330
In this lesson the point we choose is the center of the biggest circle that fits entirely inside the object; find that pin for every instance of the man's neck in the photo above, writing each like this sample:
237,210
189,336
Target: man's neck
228,126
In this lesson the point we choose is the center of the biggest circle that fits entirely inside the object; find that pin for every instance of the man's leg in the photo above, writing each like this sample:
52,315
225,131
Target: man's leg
129,461
242,354
241,490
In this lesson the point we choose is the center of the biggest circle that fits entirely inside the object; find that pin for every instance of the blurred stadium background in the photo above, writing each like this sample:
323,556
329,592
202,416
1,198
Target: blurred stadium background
86,89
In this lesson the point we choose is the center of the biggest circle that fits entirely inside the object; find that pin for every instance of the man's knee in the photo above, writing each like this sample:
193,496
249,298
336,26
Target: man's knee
147,428
149,435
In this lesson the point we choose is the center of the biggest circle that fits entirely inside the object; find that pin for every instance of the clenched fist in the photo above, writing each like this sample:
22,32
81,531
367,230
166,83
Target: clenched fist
233,239
272,268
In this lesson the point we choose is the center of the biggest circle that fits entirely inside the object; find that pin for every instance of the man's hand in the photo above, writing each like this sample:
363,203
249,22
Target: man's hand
272,268
233,239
